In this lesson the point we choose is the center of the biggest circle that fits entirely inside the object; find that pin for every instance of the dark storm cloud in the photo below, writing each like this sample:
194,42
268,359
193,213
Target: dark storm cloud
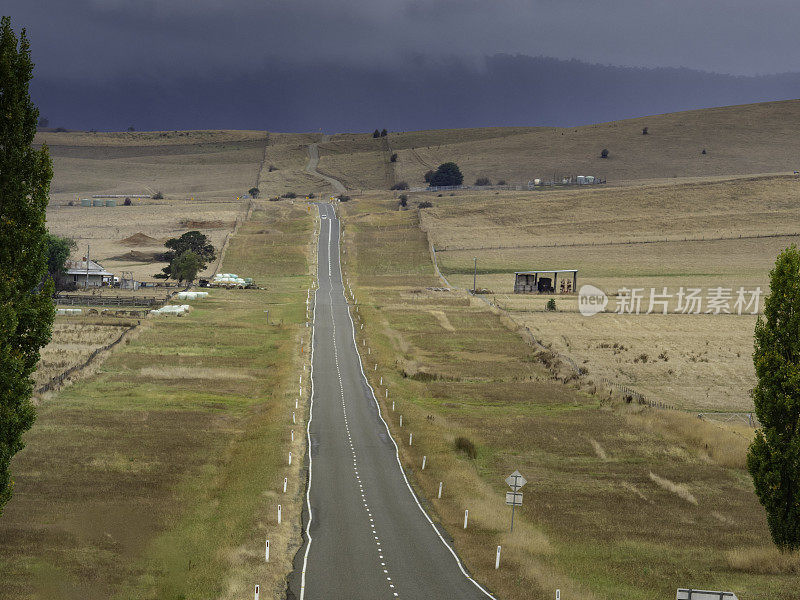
164,36
304,64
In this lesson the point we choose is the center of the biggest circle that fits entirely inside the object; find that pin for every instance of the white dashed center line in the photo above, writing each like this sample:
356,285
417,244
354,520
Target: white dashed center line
347,424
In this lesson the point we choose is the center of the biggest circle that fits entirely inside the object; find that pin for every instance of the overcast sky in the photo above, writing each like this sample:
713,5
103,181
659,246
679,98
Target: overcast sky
89,42
112,36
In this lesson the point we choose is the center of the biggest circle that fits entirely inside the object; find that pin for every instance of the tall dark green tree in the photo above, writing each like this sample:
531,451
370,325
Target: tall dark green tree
193,241
26,308
774,456
58,250
447,174
185,266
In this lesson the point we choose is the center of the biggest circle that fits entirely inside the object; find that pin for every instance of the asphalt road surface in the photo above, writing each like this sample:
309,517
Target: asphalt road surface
366,536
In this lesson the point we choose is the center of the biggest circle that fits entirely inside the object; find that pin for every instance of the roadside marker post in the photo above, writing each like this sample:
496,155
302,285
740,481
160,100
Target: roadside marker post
410,439
515,481
392,405
497,559
466,518
257,591
558,594
296,403
376,366
440,489
292,434
424,459
290,457
279,514
266,552
285,481
381,380
401,420
293,420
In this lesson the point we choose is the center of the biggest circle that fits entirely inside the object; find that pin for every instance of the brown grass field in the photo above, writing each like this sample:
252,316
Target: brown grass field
739,140
159,475
624,501
74,338
691,235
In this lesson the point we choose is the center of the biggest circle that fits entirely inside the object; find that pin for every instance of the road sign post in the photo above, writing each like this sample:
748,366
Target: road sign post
515,481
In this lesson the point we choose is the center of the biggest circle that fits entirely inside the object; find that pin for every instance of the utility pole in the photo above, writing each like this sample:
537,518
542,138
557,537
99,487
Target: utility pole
475,276
87,267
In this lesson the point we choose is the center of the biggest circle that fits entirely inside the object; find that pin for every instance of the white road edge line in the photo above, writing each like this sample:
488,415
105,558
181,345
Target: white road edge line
311,412
388,431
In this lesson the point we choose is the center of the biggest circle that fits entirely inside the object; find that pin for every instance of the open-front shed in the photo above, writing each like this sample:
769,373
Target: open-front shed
540,282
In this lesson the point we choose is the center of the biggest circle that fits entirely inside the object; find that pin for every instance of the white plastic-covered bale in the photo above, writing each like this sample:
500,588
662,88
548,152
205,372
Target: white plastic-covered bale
581,180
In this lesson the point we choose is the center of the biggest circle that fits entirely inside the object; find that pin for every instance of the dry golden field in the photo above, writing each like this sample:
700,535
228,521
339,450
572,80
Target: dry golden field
125,238
624,501
739,140
74,338
649,238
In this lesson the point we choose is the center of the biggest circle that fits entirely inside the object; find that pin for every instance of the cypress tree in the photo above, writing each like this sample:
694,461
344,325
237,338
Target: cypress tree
774,456
26,307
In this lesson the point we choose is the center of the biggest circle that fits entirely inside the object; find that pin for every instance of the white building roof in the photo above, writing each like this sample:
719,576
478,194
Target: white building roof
78,267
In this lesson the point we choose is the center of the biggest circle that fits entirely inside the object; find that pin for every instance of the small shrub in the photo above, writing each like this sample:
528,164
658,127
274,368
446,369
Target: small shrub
290,195
403,200
311,196
466,446
551,304
425,204
502,182
344,198
483,181
272,168
158,196
253,191
704,151
400,185
60,130
604,153
127,202
393,157
274,198
644,131
439,195
131,128
70,203
428,176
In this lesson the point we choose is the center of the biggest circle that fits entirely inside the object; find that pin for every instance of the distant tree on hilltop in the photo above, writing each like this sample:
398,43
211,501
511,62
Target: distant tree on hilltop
384,133
447,174
376,134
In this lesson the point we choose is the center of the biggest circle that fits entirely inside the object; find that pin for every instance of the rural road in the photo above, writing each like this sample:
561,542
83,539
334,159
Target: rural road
365,536
313,163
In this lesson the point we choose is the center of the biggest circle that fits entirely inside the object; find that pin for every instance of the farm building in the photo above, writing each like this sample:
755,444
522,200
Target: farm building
93,275
538,282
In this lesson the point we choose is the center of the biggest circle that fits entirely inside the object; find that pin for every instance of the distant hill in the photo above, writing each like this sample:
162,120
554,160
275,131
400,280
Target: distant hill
502,90
738,140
